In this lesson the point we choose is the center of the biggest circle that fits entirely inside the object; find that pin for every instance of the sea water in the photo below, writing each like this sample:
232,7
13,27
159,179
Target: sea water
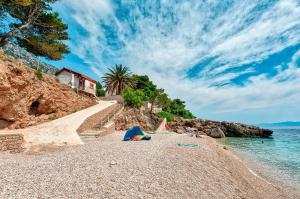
279,154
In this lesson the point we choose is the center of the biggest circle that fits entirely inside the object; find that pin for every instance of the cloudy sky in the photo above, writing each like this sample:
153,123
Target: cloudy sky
229,60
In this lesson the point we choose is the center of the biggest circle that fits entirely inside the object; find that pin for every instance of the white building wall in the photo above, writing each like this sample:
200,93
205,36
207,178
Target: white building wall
66,78
88,88
76,82
73,81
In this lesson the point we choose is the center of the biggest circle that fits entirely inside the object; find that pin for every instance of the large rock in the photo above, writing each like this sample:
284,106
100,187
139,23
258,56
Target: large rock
216,133
26,100
220,129
134,117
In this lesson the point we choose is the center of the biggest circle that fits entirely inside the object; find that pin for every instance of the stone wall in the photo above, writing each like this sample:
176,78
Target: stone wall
11,142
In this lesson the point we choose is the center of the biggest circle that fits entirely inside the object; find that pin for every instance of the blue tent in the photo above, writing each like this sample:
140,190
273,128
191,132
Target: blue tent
134,131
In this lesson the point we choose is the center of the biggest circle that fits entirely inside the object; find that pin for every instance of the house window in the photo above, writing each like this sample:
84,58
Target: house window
80,84
92,85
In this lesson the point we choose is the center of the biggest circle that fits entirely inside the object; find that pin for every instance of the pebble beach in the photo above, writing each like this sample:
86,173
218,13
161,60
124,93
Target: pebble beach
164,167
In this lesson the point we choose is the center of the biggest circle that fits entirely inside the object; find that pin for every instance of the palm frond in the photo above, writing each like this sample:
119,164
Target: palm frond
117,79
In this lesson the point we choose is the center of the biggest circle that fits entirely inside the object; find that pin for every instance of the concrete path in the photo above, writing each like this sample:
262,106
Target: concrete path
61,131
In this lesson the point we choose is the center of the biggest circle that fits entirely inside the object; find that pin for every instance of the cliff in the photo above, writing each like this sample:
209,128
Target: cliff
217,129
28,98
131,117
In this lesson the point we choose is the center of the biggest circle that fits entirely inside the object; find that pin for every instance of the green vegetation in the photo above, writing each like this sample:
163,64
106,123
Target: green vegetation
99,90
166,115
53,117
39,73
133,98
118,79
36,27
137,89
156,96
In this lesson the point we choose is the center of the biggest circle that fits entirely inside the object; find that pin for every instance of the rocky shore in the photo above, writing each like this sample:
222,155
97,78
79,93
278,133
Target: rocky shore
217,129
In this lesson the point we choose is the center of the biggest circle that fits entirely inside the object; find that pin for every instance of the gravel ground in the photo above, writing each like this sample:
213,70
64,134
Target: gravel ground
111,168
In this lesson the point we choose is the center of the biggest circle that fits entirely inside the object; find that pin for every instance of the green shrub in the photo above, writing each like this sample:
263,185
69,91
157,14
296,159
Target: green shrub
133,98
39,73
53,117
100,92
166,115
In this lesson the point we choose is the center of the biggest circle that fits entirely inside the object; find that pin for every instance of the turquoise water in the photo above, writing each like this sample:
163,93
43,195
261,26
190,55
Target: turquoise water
281,152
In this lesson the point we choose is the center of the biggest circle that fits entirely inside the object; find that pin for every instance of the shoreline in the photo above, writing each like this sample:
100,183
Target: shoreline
267,171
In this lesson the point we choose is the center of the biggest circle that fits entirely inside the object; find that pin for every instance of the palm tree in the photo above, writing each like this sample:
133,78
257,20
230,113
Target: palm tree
117,79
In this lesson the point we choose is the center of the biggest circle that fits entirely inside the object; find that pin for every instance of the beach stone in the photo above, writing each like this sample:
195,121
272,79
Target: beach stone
112,163
216,133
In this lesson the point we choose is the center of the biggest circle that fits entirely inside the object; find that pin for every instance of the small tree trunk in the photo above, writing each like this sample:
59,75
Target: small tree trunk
151,110
5,39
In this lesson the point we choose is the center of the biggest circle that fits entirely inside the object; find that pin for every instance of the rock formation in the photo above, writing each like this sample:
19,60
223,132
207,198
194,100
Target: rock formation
217,129
27,99
131,117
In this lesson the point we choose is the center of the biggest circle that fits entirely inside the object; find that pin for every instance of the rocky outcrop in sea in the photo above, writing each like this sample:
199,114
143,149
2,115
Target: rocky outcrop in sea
218,129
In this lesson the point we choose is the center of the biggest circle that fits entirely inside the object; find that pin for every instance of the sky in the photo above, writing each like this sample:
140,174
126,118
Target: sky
229,60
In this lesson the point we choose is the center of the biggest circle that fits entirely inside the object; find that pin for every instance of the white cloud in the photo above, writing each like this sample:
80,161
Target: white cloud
166,40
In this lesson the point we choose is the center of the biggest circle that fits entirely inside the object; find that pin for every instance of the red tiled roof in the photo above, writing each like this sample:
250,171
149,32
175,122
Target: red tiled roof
75,73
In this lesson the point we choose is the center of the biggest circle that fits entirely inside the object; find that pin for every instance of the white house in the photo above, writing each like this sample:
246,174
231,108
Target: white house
148,105
77,81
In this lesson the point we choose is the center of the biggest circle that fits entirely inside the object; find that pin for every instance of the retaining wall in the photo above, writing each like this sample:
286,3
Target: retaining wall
12,142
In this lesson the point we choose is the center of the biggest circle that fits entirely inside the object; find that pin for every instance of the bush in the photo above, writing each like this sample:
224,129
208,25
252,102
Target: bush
133,98
39,73
100,92
166,115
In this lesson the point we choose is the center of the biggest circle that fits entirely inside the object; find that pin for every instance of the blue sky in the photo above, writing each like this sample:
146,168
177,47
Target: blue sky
229,60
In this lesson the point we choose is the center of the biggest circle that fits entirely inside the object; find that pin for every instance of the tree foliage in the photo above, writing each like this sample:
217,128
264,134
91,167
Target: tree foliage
136,89
133,98
36,27
99,90
158,97
177,107
118,79
167,115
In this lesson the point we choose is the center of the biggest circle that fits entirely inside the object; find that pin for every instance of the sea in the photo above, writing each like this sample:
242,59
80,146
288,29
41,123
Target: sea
277,157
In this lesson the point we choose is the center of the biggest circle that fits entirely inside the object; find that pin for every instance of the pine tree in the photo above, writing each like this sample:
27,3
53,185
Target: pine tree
36,27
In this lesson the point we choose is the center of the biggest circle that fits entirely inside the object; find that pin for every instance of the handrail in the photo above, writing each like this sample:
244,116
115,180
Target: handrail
110,115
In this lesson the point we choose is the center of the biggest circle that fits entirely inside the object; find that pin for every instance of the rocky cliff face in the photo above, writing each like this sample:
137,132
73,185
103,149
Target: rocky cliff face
27,99
218,129
131,117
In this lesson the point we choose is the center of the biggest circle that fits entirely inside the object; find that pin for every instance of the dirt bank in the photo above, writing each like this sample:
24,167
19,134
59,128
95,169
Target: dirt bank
28,98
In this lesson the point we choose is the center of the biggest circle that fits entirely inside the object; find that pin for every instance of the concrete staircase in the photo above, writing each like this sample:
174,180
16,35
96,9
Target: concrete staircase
104,124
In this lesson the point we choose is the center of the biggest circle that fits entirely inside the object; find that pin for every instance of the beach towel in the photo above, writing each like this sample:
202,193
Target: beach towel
191,145
135,134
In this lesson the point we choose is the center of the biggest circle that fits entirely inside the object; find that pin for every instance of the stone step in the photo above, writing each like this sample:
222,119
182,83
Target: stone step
92,135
